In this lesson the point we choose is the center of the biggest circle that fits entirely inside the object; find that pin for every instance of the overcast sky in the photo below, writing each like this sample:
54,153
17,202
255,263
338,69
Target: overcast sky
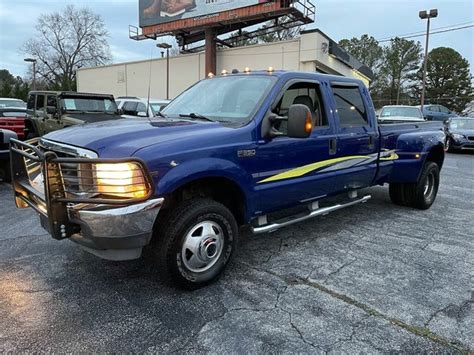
337,18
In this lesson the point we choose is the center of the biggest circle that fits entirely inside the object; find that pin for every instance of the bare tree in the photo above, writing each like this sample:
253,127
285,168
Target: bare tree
65,42
278,30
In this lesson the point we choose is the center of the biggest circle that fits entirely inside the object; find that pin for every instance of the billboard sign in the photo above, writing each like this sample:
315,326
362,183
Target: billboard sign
156,12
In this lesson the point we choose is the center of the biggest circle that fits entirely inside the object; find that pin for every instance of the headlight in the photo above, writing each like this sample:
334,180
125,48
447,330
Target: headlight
458,137
125,180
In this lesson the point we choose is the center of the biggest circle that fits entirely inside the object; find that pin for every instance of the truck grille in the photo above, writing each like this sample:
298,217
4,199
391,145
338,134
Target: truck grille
471,138
78,178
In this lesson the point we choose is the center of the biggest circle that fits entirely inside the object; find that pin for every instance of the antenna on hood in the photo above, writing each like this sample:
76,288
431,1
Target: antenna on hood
149,86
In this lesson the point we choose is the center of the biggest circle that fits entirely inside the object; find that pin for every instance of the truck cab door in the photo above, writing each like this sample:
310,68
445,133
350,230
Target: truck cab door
287,171
357,135
53,120
39,113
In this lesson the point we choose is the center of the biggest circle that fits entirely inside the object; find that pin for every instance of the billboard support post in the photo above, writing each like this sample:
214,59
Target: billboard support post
211,50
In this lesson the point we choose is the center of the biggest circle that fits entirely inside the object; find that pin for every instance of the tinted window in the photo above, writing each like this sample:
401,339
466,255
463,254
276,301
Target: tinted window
30,104
433,108
443,109
39,102
141,107
349,106
130,108
51,100
304,93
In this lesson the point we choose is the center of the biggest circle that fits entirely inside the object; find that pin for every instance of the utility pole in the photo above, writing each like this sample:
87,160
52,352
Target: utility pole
167,47
32,60
426,15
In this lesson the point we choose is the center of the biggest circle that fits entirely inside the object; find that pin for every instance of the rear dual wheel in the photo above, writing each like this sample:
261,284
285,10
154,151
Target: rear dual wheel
421,194
195,242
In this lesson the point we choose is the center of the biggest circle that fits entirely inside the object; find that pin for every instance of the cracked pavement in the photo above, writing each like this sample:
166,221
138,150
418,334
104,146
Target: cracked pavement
373,278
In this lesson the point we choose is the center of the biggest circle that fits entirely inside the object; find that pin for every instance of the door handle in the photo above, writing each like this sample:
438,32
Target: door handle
332,146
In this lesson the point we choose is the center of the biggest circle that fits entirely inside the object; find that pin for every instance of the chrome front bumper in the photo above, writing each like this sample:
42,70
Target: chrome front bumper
109,227
117,233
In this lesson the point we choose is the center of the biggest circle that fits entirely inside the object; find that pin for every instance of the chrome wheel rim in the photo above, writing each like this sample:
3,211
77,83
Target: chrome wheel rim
202,246
429,185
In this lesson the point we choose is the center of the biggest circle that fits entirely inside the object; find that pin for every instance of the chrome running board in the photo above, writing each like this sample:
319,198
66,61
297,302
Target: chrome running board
314,212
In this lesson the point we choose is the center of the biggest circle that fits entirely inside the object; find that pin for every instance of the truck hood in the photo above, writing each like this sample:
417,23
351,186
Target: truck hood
92,117
122,138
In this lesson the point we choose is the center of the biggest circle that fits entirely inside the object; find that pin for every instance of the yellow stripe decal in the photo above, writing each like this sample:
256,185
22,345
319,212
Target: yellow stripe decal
392,156
302,170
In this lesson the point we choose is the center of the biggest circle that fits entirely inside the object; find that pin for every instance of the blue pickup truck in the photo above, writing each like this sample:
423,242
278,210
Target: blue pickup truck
261,149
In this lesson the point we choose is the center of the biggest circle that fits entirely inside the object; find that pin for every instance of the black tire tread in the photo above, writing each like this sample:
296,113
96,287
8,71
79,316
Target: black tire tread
167,230
411,194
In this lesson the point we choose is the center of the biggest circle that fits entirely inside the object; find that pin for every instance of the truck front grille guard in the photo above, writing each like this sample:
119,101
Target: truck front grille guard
47,183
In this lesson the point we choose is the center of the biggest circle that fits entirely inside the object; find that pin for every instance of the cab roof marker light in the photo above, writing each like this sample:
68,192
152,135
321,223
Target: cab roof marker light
210,75
224,72
270,69
246,70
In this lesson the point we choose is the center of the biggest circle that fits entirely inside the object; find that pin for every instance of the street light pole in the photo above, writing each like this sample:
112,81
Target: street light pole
426,15
167,47
32,60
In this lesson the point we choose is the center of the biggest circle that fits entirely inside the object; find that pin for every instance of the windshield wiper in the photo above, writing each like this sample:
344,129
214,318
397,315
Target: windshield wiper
161,115
196,116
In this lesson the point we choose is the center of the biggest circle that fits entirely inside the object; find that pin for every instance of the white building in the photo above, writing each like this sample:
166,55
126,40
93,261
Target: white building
313,51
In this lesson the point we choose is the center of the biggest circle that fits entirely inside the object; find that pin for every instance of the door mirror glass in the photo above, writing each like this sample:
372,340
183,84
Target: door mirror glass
141,114
300,122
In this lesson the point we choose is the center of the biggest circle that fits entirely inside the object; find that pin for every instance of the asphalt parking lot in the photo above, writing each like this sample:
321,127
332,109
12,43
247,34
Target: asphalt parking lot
371,278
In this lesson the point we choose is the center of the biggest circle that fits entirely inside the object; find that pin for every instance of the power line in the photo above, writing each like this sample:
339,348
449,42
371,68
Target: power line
423,32
431,33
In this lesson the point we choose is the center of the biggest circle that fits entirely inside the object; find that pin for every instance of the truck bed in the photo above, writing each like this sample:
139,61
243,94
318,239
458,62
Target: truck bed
387,128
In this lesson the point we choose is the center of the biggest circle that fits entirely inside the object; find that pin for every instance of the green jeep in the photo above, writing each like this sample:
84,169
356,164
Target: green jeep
52,110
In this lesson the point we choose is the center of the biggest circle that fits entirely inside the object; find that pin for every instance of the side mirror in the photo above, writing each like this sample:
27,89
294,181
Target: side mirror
120,111
300,123
51,110
142,114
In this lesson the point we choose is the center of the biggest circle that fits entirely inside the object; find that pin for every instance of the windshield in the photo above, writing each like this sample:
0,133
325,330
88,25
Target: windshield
88,104
231,99
12,103
462,124
401,112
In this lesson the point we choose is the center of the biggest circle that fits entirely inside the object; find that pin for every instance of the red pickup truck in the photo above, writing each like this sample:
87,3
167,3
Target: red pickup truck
13,119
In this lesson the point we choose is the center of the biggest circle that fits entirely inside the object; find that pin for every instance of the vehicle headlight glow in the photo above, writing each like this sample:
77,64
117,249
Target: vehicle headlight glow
458,137
125,180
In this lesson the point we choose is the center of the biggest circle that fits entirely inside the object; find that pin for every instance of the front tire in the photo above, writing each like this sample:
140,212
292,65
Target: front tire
195,242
